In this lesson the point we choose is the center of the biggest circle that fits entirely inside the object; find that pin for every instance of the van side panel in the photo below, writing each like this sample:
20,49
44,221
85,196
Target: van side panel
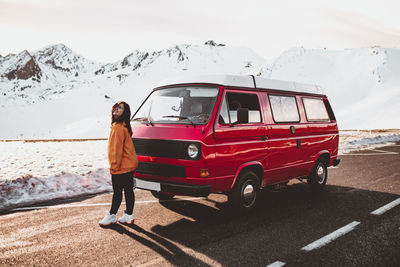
236,145
282,154
322,136
292,155
285,158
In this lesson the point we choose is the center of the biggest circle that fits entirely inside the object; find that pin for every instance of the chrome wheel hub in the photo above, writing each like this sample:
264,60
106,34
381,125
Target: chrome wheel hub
248,191
321,174
248,194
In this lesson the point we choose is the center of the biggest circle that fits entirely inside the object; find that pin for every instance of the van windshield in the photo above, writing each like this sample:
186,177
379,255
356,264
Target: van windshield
184,105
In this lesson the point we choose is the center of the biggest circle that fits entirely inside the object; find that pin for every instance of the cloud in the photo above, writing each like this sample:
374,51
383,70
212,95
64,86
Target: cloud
355,29
115,28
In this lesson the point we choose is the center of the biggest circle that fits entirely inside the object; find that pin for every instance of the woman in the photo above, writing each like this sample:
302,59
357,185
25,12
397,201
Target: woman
122,159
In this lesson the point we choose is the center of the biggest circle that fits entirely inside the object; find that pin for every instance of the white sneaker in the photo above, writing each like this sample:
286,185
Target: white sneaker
126,219
108,219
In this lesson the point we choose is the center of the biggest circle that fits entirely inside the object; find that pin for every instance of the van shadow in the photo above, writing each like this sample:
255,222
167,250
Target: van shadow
284,218
286,211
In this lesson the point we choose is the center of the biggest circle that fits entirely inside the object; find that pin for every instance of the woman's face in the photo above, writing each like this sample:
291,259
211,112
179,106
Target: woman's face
118,111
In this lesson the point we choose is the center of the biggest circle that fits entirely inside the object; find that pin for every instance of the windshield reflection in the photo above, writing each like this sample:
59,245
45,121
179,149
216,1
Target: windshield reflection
185,105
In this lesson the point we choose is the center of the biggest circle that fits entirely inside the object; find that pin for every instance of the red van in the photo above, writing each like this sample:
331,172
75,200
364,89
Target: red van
234,135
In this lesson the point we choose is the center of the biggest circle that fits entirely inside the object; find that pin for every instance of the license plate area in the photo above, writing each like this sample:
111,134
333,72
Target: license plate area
147,185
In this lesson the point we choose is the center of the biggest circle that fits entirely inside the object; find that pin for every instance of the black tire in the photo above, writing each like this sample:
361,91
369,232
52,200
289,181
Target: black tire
318,176
243,197
162,196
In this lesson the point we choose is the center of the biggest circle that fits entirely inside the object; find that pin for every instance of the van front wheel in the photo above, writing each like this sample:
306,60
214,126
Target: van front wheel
243,197
318,176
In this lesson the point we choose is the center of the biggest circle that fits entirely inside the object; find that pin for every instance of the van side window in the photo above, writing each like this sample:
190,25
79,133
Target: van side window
315,109
223,116
329,109
241,100
284,108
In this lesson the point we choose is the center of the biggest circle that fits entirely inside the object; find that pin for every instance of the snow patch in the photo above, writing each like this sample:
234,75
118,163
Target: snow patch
28,189
362,140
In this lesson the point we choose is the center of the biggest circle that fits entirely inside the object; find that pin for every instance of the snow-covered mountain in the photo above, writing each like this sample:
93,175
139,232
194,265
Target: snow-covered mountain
41,74
58,61
363,84
73,96
56,93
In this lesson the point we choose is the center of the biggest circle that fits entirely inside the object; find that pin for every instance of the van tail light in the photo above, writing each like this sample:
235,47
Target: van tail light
204,173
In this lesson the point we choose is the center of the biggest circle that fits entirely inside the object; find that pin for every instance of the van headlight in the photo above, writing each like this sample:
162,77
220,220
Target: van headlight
193,151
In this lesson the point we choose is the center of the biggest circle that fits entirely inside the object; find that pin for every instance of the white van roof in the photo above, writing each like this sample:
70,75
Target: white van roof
249,81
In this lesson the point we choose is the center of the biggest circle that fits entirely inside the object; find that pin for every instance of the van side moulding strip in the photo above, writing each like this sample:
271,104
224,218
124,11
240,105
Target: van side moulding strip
277,139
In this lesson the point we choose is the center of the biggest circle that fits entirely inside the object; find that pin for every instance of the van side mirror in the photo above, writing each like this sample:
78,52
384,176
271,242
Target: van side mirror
243,115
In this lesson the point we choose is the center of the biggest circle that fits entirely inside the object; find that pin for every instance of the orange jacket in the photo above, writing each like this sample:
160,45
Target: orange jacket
121,152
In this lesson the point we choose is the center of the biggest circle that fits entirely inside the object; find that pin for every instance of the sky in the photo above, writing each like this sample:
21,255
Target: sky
108,30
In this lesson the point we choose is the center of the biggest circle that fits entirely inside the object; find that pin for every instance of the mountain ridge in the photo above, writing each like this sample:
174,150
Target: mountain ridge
56,66
361,83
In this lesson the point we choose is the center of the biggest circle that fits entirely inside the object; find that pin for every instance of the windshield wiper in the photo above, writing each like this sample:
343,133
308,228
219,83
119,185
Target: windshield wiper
144,118
181,118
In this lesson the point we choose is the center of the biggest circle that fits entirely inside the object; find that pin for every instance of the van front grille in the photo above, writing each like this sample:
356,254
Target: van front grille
158,169
162,148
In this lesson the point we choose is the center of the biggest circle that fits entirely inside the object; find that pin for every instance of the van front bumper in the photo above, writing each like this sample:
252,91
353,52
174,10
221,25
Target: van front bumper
172,188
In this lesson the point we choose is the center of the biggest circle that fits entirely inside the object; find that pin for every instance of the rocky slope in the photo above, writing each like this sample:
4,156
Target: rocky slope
45,74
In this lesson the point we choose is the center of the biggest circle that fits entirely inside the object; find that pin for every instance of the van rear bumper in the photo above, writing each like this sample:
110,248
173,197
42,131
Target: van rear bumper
336,162
172,188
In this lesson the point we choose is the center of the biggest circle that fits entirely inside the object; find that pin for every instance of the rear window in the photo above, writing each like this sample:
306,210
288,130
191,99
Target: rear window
284,108
315,109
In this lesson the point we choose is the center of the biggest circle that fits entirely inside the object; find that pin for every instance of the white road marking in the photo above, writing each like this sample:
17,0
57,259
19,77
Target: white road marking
332,236
387,207
276,264
100,204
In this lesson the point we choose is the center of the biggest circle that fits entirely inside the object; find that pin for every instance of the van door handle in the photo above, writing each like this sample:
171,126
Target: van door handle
298,141
263,138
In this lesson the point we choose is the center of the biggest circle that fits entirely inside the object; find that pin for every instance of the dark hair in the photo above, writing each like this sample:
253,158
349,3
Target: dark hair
125,117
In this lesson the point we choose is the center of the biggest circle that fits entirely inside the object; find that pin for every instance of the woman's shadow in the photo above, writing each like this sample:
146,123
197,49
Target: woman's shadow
166,249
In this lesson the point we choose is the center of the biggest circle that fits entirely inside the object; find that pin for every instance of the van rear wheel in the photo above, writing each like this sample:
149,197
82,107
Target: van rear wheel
318,176
162,196
243,197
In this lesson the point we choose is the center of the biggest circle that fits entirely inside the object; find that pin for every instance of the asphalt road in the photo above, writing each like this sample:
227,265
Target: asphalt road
336,224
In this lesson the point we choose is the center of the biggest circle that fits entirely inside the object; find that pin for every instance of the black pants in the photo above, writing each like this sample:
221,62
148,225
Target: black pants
121,182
